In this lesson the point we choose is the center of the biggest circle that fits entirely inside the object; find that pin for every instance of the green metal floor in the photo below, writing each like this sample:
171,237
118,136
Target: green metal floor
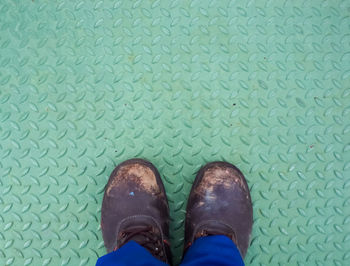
87,84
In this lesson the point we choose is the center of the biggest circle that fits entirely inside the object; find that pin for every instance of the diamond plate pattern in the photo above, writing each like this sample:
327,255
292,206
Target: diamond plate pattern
85,85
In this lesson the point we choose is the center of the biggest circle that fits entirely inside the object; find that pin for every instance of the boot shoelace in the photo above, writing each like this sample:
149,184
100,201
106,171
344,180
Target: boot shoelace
146,237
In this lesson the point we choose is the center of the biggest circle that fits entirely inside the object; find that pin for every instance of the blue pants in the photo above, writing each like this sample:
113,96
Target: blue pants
210,250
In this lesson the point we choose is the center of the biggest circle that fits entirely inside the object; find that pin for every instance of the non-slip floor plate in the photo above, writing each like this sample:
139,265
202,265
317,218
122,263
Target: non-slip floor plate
87,84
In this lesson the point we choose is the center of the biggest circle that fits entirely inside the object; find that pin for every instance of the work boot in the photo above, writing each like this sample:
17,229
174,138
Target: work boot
135,207
219,204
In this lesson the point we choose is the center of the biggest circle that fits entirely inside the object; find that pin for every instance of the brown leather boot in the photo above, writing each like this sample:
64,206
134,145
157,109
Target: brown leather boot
135,207
219,204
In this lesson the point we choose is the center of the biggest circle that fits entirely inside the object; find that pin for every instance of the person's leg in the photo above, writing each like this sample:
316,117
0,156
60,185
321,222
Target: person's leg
129,254
213,250
135,208
219,217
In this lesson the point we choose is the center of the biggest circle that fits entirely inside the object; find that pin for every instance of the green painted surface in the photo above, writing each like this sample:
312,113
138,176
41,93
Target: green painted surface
87,84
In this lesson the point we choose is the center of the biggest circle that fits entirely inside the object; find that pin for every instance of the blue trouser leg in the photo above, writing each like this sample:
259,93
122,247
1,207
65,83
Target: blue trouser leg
210,250
129,254
213,250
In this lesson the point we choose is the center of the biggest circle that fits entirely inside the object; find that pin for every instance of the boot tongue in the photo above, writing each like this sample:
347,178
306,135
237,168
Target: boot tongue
144,231
146,236
212,228
138,233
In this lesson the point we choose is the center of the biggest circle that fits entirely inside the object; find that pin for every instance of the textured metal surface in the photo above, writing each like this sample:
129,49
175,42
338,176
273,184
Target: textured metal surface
87,84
